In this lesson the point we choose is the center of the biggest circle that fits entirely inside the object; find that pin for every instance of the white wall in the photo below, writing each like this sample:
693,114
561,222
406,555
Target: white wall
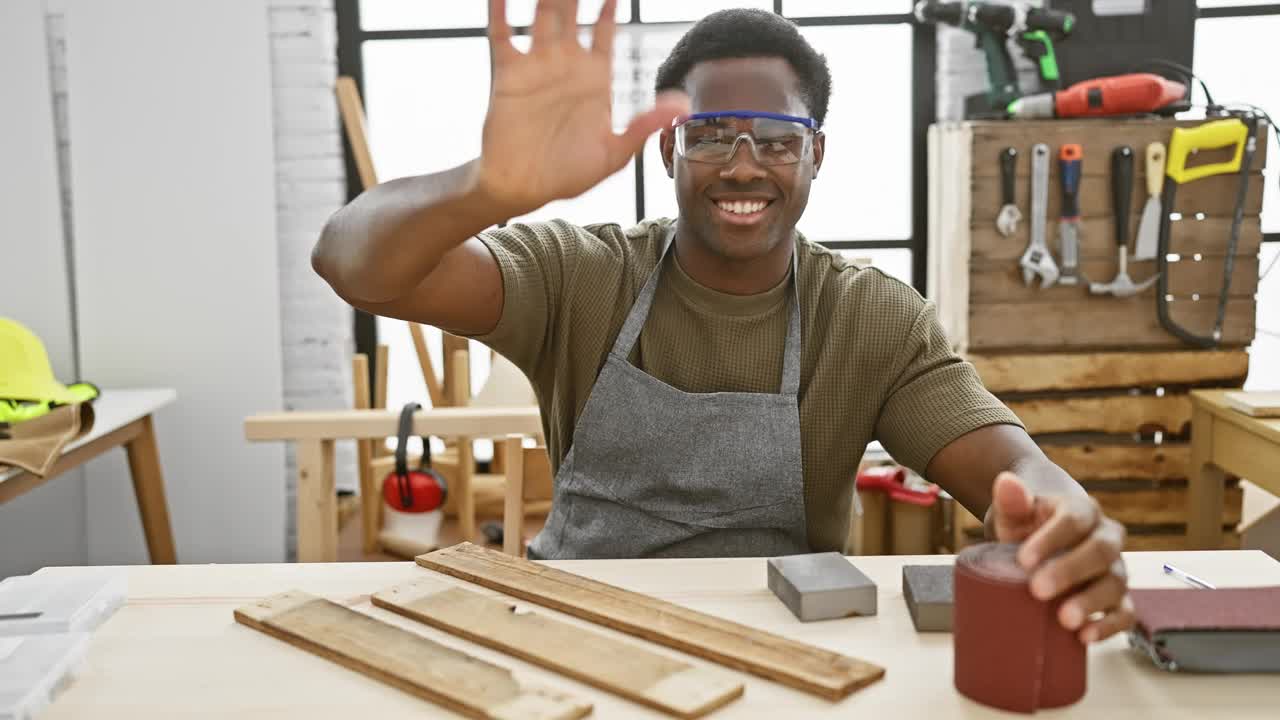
173,204
315,327
35,291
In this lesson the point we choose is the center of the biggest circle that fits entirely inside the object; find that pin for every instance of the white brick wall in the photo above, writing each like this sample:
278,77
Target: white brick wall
310,186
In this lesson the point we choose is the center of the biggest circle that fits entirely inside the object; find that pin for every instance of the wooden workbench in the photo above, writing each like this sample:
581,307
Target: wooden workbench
1225,441
174,648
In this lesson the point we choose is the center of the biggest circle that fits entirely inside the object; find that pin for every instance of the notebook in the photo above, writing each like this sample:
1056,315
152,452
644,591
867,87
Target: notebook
1228,630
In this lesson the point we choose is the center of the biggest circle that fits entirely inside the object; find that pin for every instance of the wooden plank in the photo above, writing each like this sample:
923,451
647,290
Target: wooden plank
316,503
1143,507
355,424
434,390
513,508
1103,323
1003,282
370,498
603,661
1105,414
1089,371
1214,195
1096,136
1162,506
1136,540
1097,239
402,659
1175,539
1108,463
353,121
804,667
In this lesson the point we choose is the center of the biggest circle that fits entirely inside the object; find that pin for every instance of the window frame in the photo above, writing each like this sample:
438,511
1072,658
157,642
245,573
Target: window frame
351,39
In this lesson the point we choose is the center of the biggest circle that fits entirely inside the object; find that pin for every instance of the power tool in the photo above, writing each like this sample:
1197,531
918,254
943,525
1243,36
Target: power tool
1035,30
1130,94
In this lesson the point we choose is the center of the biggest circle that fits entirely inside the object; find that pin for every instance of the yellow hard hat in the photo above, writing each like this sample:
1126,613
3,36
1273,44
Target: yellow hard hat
25,372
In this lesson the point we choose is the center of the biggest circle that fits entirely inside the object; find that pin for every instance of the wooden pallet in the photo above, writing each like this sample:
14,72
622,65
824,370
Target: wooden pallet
974,275
1119,423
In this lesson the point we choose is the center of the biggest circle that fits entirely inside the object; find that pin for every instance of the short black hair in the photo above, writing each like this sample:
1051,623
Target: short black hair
743,33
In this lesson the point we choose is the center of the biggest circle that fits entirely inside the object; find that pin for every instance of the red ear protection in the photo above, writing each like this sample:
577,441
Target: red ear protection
413,491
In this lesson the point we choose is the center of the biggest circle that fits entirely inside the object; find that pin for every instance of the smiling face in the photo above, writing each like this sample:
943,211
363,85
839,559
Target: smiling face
742,210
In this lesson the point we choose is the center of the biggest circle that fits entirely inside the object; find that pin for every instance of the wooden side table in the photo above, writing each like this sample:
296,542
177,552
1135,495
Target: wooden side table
1225,441
122,418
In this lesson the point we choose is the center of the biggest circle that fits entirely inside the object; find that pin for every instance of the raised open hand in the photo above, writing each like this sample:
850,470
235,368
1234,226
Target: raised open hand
548,133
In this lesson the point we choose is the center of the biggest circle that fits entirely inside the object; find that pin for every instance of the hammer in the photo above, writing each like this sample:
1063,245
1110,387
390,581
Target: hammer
1122,194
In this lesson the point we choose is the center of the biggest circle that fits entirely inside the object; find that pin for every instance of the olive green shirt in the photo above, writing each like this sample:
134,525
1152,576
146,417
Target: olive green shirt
874,362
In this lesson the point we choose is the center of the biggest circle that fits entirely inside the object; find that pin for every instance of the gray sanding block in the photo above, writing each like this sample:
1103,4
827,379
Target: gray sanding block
929,592
821,586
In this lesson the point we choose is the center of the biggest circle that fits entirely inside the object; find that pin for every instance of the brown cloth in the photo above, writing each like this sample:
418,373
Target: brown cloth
36,444
1010,650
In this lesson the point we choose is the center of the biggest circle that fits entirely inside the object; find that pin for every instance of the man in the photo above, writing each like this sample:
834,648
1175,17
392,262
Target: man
707,384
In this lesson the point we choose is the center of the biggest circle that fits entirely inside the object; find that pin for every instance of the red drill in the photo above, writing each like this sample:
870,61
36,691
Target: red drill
1117,95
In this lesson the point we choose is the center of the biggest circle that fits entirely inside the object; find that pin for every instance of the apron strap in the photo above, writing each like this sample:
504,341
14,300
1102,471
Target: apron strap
630,332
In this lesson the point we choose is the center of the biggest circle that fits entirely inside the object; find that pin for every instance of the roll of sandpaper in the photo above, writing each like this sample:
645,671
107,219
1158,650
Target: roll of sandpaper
1010,650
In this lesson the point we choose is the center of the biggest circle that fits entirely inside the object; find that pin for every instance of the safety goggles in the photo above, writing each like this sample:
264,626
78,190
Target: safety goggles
713,137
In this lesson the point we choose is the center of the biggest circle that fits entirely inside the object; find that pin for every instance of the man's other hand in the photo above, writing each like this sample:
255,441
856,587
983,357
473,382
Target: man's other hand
1070,549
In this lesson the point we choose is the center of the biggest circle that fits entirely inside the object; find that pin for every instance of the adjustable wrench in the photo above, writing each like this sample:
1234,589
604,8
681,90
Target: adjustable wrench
1037,260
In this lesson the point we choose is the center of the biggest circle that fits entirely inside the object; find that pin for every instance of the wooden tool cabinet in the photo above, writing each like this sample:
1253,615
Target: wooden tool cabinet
1101,386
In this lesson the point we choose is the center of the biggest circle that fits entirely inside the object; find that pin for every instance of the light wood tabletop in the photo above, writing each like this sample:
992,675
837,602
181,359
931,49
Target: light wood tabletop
1225,440
122,418
175,650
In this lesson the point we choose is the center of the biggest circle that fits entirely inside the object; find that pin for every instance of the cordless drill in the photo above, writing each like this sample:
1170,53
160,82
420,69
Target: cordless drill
1035,30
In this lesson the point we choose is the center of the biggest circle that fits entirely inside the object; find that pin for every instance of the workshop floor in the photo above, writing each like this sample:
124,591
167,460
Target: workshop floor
349,539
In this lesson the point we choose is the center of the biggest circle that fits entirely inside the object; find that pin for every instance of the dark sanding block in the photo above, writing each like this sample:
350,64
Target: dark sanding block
821,586
928,590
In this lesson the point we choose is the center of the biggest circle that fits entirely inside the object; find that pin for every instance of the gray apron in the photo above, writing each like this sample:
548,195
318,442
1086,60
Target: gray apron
657,472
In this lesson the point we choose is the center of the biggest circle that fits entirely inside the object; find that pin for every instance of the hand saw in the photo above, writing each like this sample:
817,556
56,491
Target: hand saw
1216,134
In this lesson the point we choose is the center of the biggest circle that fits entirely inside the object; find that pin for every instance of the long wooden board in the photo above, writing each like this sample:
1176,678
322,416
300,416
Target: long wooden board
634,672
1105,414
1095,136
1188,236
413,663
1170,538
1214,195
1162,506
1097,464
1102,322
1151,507
805,667
1003,282
1092,371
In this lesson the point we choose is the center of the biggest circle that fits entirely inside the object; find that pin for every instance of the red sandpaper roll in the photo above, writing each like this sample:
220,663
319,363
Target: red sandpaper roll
1010,650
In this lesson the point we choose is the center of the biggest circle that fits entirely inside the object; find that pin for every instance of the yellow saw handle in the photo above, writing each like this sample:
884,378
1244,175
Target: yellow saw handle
1209,136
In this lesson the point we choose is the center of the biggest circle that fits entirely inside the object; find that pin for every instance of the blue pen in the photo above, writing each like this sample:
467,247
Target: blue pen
1187,578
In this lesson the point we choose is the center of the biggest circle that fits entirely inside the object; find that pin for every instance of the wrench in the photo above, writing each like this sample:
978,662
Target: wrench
1007,220
1037,260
